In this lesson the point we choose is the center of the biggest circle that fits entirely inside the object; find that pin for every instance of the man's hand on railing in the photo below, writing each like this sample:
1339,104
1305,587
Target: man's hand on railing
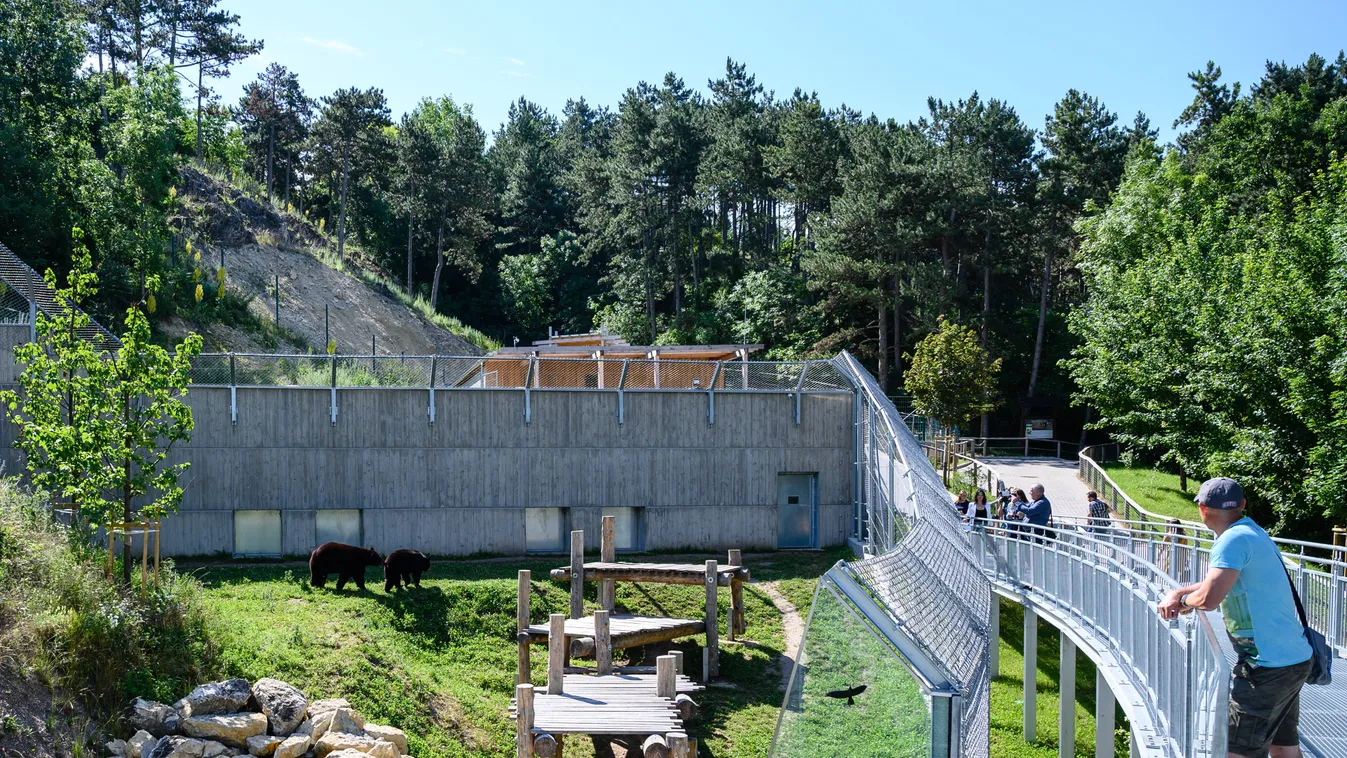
1173,606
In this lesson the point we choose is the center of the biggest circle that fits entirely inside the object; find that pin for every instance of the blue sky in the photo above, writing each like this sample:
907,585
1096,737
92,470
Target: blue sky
879,57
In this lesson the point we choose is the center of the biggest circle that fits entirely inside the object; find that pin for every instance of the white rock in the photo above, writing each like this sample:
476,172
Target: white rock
333,741
229,696
391,734
318,707
213,749
347,720
117,748
262,745
285,707
384,749
293,746
139,744
156,718
175,747
232,729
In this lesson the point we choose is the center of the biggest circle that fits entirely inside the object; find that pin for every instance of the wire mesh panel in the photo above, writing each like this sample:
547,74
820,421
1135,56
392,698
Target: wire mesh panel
850,693
14,309
757,375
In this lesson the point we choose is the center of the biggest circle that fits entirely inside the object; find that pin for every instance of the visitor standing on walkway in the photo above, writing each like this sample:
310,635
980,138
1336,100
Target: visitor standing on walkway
1039,511
1248,581
1100,519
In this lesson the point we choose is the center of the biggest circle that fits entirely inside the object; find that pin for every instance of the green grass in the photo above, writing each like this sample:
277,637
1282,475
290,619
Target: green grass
1007,718
439,662
1156,491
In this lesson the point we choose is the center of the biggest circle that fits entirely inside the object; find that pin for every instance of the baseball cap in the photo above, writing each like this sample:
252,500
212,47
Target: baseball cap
1222,493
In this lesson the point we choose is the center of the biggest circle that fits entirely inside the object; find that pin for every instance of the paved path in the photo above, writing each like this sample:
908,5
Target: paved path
1057,476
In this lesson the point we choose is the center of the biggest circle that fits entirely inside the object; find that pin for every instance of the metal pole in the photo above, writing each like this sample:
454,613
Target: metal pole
1066,718
1030,674
327,333
278,300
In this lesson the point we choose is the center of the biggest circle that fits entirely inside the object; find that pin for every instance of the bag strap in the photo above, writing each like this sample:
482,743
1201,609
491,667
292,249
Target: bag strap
1300,609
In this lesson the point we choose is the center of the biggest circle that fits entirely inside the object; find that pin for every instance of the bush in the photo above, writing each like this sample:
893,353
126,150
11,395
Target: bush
88,636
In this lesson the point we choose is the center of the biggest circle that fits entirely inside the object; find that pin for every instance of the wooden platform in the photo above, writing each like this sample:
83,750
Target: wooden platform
660,573
619,704
627,630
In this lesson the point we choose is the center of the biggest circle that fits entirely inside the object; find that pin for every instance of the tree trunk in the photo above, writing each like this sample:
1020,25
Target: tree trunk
897,331
439,266
410,287
883,340
271,156
341,218
173,37
1042,322
944,259
289,164
200,159
986,309
126,489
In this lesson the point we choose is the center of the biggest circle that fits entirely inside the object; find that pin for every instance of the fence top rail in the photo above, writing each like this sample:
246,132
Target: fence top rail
512,358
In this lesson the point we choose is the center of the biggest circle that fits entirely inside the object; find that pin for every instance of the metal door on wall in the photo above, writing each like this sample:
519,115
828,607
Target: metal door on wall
796,508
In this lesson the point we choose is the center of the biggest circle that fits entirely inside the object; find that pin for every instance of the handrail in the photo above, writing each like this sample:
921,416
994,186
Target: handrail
1090,472
1179,668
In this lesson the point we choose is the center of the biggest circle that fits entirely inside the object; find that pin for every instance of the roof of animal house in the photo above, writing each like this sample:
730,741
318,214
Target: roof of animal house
602,344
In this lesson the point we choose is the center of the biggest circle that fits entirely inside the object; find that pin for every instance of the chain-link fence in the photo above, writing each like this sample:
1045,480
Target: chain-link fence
517,372
920,567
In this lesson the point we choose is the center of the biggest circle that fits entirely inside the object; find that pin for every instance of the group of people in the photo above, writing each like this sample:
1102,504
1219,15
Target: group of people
1033,510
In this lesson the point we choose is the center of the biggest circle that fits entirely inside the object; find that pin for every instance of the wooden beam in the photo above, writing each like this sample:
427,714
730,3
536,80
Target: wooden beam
608,554
603,643
712,619
577,574
523,669
556,654
653,573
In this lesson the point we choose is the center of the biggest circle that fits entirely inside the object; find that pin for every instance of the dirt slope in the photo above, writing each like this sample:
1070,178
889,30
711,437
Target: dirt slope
262,247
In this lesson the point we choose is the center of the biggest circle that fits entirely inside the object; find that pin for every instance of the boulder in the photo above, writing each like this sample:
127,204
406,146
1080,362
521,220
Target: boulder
232,729
390,734
117,748
319,707
284,706
293,746
384,749
347,753
262,745
156,718
334,741
175,747
229,696
213,749
139,744
348,721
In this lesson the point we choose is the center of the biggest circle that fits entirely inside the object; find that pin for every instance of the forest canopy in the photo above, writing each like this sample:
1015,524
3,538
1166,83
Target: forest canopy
1185,298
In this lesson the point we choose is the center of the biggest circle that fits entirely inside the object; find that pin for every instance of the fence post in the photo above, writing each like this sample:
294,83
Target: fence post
333,360
233,393
799,387
434,363
621,389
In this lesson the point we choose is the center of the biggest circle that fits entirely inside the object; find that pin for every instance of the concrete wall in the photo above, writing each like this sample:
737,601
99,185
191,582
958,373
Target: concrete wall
459,486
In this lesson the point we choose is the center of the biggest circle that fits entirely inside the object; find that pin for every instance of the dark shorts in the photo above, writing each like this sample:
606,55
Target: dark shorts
1265,707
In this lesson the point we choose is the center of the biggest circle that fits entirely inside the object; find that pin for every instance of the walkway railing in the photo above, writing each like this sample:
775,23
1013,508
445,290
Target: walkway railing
1095,586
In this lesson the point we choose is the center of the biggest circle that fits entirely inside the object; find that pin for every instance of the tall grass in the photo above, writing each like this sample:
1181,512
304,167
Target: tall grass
87,636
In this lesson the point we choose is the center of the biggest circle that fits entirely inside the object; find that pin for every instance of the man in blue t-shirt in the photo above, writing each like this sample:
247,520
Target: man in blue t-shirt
1248,581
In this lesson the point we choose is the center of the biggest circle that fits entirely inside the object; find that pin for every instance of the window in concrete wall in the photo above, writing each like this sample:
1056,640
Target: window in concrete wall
257,532
545,530
628,527
338,526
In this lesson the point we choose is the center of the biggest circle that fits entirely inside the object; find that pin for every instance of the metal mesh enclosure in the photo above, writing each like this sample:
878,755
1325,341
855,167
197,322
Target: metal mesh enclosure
923,568
13,306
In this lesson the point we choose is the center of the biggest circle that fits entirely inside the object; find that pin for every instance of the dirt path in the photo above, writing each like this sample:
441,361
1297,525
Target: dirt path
793,625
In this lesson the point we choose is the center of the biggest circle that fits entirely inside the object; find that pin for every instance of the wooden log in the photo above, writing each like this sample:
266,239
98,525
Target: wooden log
603,643
666,677
706,664
678,660
523,698
635,573
712,619
523,668
737,623
692,747
545,746
158,524
655,746
583,647
144,557
678,745
608,554
687,707
556,654
577,574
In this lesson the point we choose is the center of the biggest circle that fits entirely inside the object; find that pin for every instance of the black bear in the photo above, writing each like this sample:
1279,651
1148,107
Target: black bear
403,567
346,561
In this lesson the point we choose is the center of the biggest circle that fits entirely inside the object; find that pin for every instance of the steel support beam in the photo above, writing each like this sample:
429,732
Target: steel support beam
1066,704
1104,709
1030,675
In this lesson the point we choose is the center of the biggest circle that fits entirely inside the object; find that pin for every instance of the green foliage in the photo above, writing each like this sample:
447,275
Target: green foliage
951,378
87,637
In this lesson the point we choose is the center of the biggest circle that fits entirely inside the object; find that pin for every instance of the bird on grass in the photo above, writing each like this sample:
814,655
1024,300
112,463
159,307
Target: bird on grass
850,694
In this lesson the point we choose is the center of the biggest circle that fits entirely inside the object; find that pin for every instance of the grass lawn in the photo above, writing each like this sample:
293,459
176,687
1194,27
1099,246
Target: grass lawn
1156,491
439,662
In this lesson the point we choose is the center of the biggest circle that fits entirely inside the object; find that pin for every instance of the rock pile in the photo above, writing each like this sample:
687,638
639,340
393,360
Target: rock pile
267,719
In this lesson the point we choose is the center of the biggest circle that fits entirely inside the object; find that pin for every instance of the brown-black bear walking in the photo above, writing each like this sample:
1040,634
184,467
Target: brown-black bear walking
346,561
403,567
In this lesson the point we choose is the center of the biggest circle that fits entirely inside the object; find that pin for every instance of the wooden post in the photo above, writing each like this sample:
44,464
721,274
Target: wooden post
655,747
112,562
523,670
545,746
577,574
678,660
603,642
737,623
712,619
158,526
686,706
144,555
678,745
523,698
556,654
666,681
608,554
692,747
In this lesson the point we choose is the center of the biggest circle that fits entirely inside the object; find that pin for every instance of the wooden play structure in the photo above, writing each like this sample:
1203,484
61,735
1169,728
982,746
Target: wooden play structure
123,532
632,701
